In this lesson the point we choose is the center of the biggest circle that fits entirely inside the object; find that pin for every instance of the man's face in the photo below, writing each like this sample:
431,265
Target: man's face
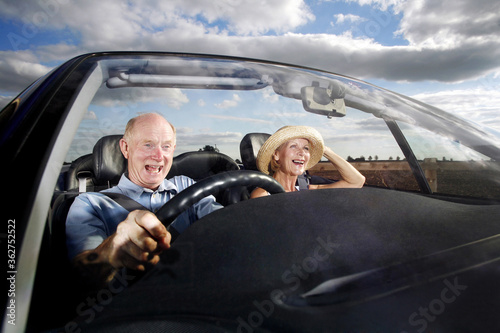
149,151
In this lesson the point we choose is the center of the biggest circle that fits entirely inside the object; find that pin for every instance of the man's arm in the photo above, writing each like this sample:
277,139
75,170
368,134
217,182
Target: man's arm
138,240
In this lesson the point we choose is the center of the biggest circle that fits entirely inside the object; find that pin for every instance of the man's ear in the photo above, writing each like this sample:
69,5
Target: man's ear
124,148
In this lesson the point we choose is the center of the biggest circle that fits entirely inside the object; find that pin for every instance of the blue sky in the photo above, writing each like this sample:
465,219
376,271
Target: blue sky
444,52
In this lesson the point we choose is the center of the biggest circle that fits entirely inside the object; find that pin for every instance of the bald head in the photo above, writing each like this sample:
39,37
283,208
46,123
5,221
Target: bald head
148,144
143,119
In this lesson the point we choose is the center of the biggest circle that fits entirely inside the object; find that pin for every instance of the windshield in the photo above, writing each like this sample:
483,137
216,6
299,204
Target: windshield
214,103
451,167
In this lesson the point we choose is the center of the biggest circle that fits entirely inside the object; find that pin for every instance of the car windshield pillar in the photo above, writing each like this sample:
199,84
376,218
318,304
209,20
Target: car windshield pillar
419,174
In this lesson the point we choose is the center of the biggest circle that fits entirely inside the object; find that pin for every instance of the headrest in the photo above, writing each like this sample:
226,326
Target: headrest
249,148
108,161
201,164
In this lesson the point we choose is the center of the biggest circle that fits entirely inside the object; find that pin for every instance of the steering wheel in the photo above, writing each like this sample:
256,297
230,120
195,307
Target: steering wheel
212,185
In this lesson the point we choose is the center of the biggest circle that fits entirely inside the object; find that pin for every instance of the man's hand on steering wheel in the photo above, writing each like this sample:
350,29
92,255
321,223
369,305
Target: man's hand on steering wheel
138,240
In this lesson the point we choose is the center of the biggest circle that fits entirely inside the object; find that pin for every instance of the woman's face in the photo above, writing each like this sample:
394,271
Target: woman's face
293,157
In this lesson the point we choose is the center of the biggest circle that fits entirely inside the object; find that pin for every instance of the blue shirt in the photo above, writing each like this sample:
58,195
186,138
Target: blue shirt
93,216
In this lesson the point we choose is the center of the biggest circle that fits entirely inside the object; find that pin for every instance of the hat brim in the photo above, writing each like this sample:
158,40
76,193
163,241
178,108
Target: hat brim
286,134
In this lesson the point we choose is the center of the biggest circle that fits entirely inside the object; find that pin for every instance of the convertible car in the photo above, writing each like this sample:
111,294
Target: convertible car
415,250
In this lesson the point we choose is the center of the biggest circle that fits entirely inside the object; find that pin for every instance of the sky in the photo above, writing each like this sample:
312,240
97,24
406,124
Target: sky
445,53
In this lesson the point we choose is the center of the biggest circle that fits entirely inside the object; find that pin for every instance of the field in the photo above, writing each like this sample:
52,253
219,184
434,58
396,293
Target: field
475,179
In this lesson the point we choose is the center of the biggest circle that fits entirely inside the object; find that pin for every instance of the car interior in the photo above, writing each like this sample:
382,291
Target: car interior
386,241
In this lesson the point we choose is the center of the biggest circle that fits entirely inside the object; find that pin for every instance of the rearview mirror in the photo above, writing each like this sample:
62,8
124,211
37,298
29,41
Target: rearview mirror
325,101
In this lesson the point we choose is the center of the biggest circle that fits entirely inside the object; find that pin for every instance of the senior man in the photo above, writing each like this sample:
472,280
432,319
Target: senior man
100,231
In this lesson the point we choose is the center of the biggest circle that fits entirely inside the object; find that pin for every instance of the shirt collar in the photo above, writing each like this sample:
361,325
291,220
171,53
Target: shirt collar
133,190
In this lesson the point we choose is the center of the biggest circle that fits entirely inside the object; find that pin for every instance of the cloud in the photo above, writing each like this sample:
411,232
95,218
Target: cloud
349,18
249,18
90,115
137,17
4,100
286,114
193,140
379,4
190,137
269,95
229,103
56,52
173,98
239,119
449,41
18,70
449,23
480,105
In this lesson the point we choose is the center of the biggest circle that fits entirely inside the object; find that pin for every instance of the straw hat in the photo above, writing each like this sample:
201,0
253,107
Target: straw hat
288,133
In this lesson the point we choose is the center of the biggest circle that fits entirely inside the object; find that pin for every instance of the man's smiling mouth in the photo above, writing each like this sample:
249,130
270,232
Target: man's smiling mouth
154,168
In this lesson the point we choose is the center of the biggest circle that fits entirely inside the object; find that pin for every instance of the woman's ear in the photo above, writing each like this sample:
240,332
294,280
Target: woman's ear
276,156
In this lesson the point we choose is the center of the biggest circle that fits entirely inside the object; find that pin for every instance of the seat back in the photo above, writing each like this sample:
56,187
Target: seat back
201,164
99,170
108,162
79,169
249,148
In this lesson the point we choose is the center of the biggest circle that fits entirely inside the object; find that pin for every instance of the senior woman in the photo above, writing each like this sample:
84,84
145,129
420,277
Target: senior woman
292,150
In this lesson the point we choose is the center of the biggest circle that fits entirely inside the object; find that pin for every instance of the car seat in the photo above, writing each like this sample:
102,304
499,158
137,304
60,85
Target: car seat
100,170
249,148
